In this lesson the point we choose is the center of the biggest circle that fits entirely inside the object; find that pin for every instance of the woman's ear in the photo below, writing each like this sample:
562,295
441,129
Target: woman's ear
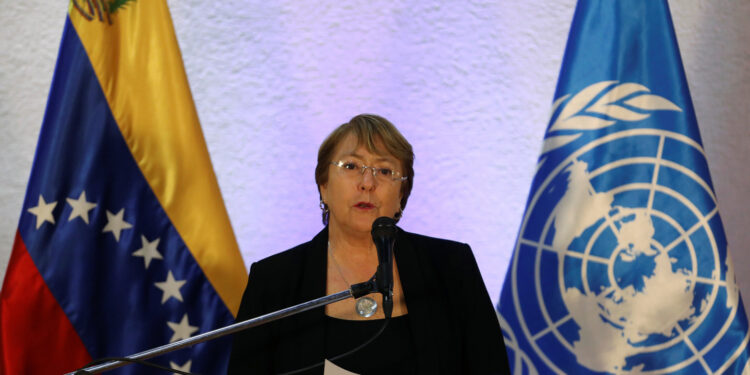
322,190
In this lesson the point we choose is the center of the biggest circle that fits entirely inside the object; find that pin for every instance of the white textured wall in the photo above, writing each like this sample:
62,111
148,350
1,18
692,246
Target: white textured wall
468,83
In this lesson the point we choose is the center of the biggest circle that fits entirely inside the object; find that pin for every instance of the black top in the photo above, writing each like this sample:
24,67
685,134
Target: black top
454,326
393,349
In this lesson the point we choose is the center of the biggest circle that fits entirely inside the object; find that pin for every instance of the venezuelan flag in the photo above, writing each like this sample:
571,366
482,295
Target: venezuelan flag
123,243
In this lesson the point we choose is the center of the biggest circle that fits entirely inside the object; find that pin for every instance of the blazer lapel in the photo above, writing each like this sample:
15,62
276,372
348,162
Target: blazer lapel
424,311
312,285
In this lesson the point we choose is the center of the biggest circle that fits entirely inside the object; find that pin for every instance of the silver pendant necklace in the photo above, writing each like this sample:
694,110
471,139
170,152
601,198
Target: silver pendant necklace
365,306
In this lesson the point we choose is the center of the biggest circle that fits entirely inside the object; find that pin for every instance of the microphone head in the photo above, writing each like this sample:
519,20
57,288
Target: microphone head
384,227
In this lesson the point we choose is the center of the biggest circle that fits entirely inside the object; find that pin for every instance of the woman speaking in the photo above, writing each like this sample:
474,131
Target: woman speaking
443,321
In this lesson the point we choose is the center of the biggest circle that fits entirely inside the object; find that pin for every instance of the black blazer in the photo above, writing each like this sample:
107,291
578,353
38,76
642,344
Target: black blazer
453,322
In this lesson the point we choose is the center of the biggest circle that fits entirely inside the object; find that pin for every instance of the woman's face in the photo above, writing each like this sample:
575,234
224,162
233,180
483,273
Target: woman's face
355,200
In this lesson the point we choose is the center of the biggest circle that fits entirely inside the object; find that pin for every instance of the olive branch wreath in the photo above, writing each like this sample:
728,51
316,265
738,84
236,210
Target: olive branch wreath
616,101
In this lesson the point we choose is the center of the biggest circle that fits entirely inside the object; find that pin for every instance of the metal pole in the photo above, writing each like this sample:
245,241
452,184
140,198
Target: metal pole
210,335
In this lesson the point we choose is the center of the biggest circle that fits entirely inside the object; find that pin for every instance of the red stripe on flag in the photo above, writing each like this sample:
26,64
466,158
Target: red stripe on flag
36,336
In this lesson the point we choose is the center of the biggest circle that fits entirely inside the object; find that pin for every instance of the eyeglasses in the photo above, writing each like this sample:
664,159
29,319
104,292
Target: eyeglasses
353,169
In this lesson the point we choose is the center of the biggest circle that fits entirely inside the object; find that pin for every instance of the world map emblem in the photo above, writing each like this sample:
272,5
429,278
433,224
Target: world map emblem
621,262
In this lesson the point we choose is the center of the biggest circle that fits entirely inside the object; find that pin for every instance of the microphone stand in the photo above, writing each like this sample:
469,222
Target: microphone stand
355,291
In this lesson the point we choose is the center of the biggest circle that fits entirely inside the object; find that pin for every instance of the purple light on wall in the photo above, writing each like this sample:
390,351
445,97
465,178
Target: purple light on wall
439,72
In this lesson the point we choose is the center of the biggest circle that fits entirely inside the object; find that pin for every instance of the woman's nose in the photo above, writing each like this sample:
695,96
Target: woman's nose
368,180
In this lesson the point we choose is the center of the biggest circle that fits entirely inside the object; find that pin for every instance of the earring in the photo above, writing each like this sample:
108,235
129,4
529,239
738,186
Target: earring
398,214
323,206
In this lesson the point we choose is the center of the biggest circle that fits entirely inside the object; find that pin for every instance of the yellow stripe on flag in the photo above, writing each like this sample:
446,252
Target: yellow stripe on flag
137,61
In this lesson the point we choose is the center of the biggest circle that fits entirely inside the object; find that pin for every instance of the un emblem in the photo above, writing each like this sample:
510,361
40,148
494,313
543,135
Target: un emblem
621,255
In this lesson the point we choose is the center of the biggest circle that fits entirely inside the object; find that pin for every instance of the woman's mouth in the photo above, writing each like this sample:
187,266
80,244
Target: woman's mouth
364,205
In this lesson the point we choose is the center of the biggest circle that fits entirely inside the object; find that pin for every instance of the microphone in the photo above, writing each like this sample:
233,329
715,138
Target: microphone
384,236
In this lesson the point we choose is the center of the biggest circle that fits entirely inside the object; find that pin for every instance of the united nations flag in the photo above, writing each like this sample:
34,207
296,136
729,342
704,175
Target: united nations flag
621,264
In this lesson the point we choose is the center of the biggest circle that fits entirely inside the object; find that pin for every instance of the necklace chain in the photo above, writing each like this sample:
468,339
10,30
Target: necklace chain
336,263
365,306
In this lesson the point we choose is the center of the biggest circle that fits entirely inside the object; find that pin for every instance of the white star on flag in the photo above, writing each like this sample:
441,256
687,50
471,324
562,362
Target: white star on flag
81,207
171,288
43,211
116,224
148,250
182,330
185,367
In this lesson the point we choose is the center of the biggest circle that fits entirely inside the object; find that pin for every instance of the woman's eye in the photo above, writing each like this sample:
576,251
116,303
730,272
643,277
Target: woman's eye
350,166
385,171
